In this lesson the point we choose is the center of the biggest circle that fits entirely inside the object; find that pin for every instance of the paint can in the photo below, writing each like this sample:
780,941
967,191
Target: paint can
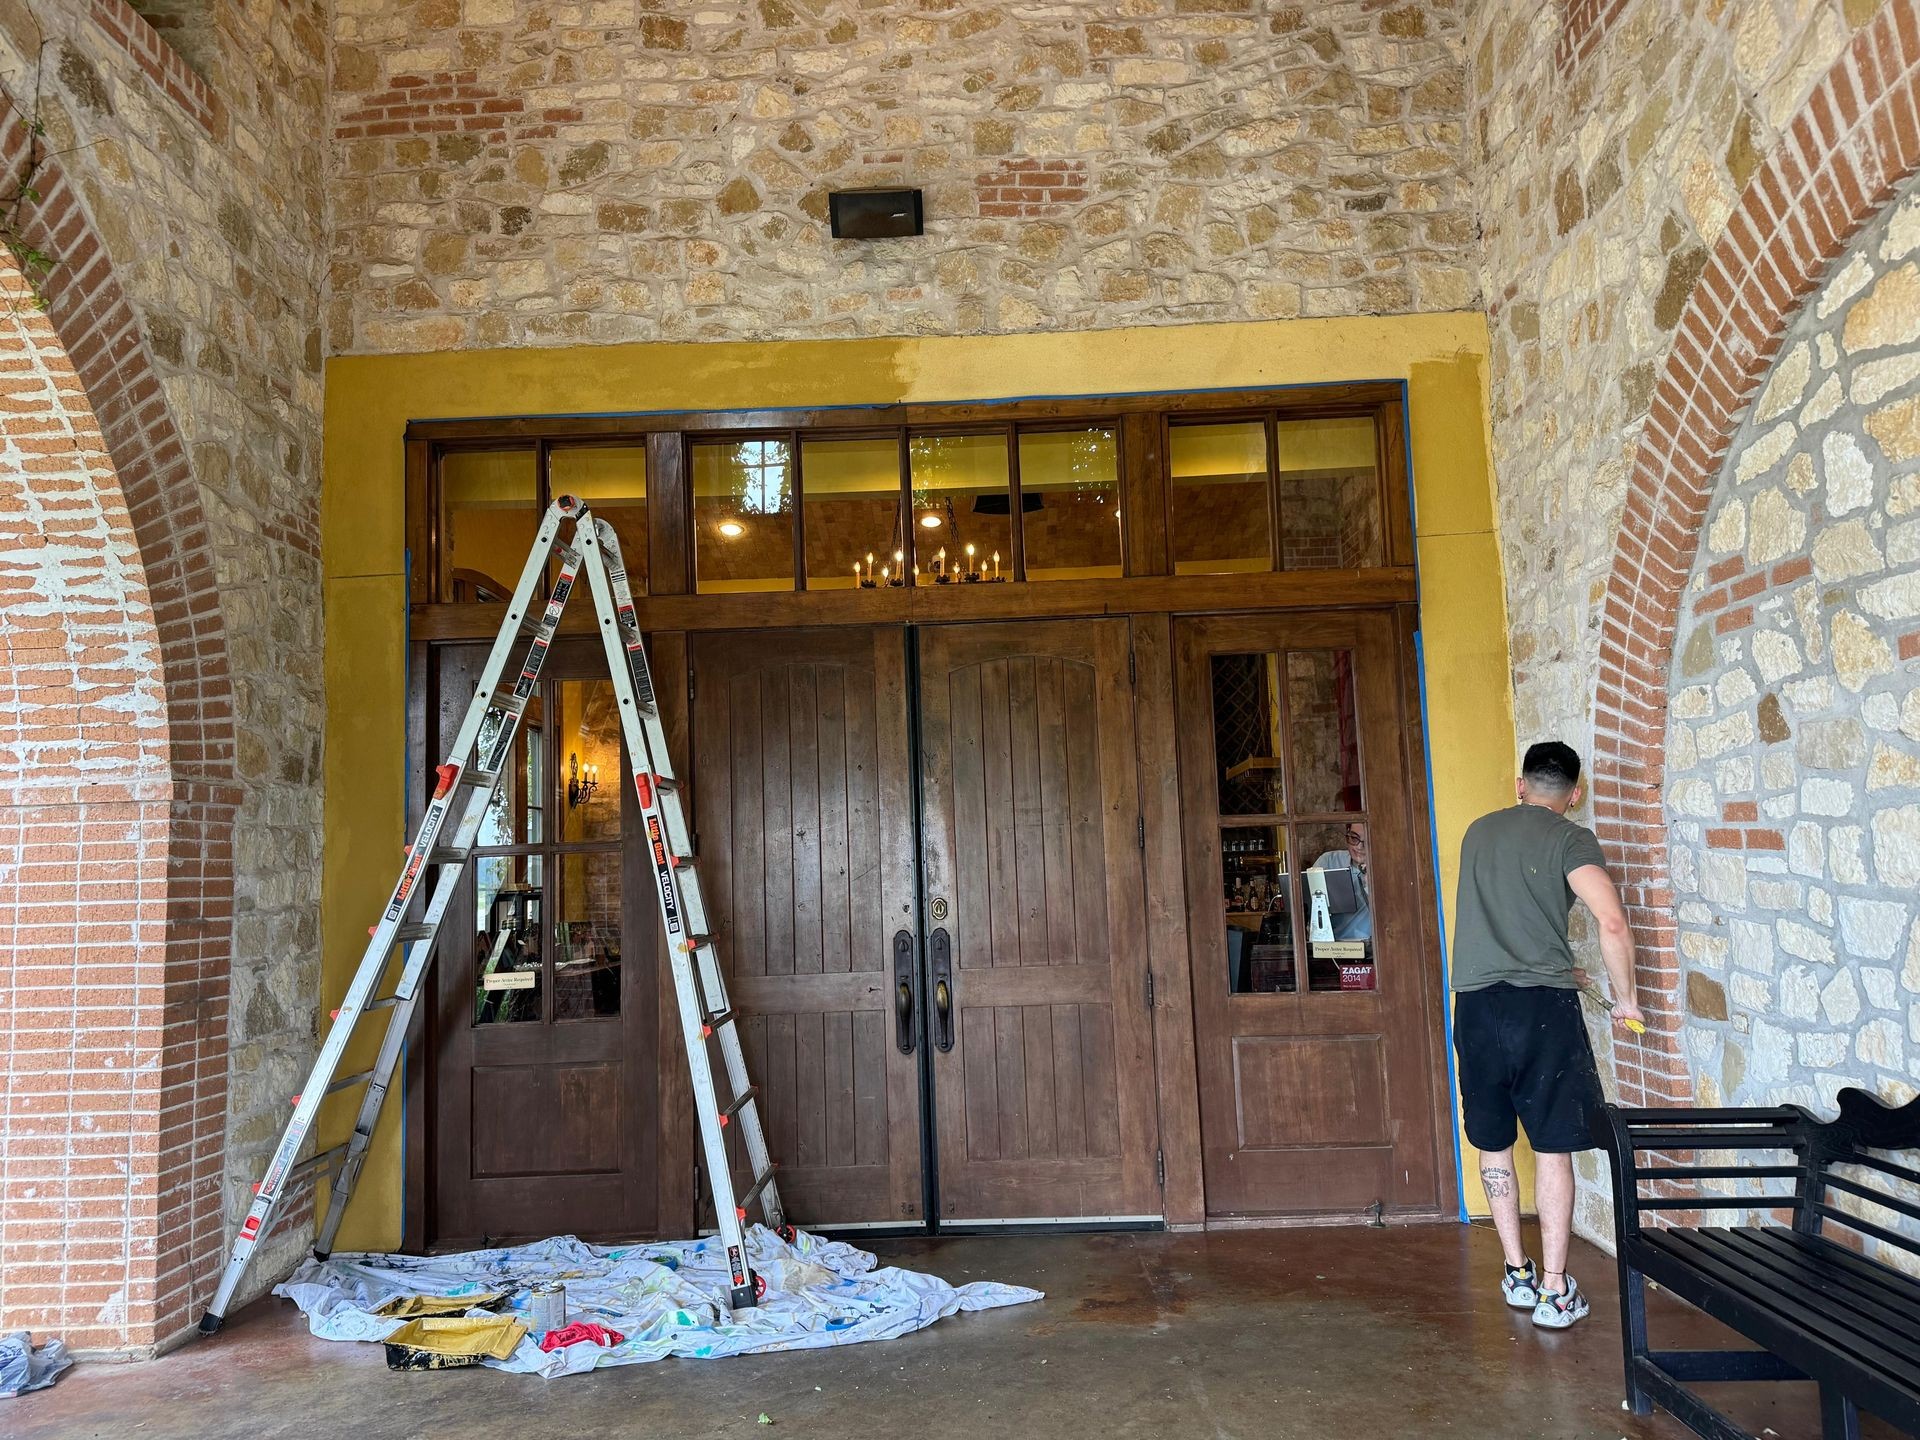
546,1308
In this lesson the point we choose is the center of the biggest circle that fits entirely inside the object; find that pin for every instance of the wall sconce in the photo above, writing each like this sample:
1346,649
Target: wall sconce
580,783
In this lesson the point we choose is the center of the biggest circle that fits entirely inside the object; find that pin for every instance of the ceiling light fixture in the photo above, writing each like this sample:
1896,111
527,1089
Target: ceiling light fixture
732,529
930,522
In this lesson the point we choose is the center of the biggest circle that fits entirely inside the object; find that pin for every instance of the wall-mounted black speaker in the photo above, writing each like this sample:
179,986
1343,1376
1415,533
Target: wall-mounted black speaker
874,214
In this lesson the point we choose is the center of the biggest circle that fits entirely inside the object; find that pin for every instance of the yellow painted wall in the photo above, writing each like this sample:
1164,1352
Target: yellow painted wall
369,400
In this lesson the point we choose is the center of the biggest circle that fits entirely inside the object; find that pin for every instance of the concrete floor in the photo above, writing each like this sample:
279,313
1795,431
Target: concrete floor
1331,1334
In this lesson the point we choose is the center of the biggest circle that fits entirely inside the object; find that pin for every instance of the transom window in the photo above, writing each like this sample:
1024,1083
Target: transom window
966,497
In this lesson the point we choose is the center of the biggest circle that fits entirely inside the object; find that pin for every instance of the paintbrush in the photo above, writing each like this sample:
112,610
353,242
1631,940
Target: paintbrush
1605,1004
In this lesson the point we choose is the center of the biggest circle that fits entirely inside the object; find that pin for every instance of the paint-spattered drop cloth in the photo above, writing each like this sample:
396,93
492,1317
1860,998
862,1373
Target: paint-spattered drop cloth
667,1299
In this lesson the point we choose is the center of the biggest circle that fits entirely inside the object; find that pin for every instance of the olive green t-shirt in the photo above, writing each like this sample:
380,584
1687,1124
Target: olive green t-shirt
1511,920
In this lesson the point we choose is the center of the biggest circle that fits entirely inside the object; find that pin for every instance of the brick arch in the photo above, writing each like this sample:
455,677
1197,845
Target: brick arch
1837,163
150,840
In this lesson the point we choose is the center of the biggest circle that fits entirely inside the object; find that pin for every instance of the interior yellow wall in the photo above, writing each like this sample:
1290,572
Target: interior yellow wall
369,400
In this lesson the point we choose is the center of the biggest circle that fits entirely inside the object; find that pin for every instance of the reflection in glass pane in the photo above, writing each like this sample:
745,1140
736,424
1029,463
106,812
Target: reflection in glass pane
743,515
1253,864
1325,764
489,512
1329,494
1336,897
506,952
1247,734
962,483
593,776
851,489
586,939
612,479
1220,498
514,816
1070,504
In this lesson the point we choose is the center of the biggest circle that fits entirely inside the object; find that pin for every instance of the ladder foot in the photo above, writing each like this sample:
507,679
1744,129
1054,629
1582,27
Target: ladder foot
210,1323
323,1256
786,1233
745,1297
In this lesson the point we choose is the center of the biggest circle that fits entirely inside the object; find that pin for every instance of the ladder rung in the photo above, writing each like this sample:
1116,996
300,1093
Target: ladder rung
760,1183
447,855
324,1160
741,1101
407,934
345,1082
385,1003
483,779
508,702
719,1017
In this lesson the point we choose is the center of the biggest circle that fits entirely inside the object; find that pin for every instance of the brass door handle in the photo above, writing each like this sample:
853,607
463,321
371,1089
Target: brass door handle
942,963
905,977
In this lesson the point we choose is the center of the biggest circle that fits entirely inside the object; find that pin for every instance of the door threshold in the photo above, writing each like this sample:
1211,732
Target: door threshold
1052,1225
1354,1219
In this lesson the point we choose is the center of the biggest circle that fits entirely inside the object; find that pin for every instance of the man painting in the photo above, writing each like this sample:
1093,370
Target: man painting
1521,1042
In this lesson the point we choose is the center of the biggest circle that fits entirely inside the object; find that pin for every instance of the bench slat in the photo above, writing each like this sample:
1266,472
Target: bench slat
1672,1137
1799,1283
1817,1356
1802,1266
1865,1227
1721,1172
1871,1274
1875,1162
1787,1307
1866,1192
1722,1202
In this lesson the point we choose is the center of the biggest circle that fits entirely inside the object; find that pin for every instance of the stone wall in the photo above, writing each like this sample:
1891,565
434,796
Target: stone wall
514,172
1609,162
206,194
1793,769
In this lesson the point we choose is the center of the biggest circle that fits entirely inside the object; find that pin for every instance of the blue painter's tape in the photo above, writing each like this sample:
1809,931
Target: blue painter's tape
1433,822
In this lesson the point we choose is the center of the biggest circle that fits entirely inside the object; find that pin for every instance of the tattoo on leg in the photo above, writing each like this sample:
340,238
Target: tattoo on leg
1498,1183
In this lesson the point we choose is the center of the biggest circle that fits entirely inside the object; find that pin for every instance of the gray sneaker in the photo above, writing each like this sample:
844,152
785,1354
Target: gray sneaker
1558,1311
1521,1285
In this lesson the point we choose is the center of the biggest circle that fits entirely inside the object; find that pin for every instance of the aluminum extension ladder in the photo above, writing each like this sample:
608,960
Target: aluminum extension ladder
481,757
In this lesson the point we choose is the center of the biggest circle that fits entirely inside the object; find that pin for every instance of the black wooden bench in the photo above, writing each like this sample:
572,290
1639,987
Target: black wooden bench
1803,1289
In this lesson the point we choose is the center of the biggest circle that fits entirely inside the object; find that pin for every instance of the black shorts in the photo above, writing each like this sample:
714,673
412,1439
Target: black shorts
1524,1055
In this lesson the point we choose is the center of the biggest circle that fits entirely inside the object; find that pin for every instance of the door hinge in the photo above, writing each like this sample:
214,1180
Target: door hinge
1149,989
1140,830
1133,671
689,682
696,1184
1160,1167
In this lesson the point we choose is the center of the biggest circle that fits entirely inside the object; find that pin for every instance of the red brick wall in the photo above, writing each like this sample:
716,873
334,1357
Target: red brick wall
1583,25
1855,138
117,799
161,63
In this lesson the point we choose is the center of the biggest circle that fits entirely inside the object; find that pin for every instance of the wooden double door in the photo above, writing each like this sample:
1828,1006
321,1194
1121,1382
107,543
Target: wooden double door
923,858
